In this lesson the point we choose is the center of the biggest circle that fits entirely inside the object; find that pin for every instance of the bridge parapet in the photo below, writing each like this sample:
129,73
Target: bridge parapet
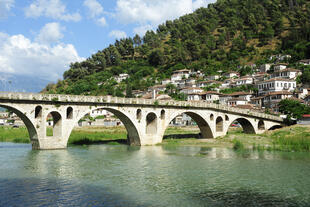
132,101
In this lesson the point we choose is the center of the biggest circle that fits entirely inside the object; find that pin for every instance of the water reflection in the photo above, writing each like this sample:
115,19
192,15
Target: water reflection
103,175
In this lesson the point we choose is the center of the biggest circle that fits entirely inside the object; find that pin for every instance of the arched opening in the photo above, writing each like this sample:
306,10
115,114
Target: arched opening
275,127
38,112
151,123
32,132
113,126
139,114
188,125
261,125
70,113
226,118
219,124
162,114
211,117
54,123
246,125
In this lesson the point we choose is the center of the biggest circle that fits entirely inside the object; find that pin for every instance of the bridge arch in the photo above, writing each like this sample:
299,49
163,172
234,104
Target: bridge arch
32,131
133,136
57,124
69,112
261,125
38,112
202,124
276,126
151,123
219,124
246,125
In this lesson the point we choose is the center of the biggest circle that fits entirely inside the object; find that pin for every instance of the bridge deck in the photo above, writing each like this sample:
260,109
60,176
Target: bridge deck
38,97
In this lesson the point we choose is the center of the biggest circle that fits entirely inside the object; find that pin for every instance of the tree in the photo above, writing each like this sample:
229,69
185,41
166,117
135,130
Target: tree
305,77
293,109
137,40
156,57
129,91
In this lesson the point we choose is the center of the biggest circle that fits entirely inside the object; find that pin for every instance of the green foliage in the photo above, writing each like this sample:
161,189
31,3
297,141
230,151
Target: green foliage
238,145
244,88
305,77
293,109
226,34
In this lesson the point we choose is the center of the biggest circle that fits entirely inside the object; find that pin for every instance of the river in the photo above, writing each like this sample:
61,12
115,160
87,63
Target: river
106,175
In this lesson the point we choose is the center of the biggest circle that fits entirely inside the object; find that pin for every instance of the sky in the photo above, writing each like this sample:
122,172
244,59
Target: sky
42,37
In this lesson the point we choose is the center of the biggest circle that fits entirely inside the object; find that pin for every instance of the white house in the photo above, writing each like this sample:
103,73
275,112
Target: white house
276,84
223,98
243,95
99,112
304,62
211,96
157,88
280,66
207,83
280,57
191,90
272,99
264,68
121,77
231,74
237,101
246,80
180,74
165,82
227,83
288,73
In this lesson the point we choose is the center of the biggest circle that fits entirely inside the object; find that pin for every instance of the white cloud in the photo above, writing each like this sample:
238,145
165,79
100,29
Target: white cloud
54,9
19,55
94,7
149,13
5,8
118,34
50,33
102,22
141,30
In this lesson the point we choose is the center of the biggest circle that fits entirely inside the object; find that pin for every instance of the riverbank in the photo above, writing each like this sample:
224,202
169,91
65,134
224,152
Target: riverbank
293,138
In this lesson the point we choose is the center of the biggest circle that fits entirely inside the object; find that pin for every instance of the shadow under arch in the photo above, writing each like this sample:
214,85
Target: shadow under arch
33,135
274,127
133,137
202,124
247,127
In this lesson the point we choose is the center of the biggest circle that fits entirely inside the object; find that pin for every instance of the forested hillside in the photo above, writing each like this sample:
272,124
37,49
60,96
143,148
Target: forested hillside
223,36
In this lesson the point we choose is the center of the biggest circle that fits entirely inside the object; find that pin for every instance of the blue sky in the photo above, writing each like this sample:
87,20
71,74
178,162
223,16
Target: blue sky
42,37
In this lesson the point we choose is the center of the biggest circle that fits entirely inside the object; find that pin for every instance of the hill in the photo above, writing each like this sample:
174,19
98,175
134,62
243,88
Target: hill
21,83
227,34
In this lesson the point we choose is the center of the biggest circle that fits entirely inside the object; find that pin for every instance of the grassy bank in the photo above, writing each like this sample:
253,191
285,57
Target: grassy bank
294,138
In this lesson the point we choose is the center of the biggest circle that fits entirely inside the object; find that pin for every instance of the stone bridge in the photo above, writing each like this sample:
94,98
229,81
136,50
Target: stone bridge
145,120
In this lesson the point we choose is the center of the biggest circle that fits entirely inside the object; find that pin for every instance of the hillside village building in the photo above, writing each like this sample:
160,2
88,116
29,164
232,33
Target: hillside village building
288,73
246,80
121,77
276,84
179,75
304,62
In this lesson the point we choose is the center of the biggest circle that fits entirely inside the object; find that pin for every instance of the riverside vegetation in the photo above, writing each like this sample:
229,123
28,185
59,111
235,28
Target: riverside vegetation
293,138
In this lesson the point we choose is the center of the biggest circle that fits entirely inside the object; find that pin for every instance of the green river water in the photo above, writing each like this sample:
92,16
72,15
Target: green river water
104,175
